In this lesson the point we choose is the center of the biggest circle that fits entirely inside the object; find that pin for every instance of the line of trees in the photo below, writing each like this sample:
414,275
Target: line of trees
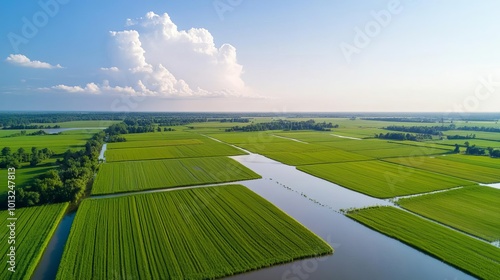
14,159
30,126
432,130
399,119
403,136
284,125
69,181
479,128
468,136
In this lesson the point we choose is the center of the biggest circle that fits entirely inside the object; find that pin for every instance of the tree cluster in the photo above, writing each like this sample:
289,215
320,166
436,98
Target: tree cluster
69,181
403,119
403,136
432,130
474,150
14,159
284,125
479,128
468,136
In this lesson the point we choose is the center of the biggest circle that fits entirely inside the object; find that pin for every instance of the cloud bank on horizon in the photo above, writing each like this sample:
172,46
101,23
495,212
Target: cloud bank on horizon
152,57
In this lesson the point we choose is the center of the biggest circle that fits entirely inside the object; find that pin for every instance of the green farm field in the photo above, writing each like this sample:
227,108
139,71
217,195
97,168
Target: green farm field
58,143
475,160
305,158
171,152
154,143
479,135
382,179
154,174
252,138
475,210
477,142
81,124
202,233
441,164
402,151
469,254
34,228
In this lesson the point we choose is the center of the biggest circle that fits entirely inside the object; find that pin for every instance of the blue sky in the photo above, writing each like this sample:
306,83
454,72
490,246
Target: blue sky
243,55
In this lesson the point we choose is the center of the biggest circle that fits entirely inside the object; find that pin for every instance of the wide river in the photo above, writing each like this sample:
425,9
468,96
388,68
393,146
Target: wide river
360,253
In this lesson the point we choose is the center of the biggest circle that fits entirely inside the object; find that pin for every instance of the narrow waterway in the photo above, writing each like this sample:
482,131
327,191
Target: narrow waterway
57,130
360,253
49,263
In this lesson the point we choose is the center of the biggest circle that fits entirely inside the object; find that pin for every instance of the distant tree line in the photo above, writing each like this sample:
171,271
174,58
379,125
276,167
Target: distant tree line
468,136
432,130
13,120
14,159
403,136
284,125
31,126
479,128
24,133
69,181
405,119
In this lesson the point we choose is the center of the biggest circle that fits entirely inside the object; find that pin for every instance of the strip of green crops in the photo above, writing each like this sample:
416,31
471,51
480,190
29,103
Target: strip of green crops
475,160
381,179
474,256
142,175
153,143
34,228
440,164
331,155
475,210
166,152
200,233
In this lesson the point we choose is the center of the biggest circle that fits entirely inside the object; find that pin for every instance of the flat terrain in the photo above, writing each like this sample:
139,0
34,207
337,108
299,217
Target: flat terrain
441,164
58,143
154,174
34,228
475,210
201,233
167,152
382,179
474,256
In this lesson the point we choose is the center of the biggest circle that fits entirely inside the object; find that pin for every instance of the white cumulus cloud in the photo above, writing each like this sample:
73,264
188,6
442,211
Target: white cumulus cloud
112,69
153,57
24,61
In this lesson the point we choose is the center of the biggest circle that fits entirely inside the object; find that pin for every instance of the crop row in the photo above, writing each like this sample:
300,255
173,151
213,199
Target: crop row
153,174
201,233
382,179
441,164
165,152
475,210
153,143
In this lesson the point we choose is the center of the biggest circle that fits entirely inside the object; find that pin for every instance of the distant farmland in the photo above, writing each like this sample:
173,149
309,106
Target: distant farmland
166,152
382,179
201,233
153,174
